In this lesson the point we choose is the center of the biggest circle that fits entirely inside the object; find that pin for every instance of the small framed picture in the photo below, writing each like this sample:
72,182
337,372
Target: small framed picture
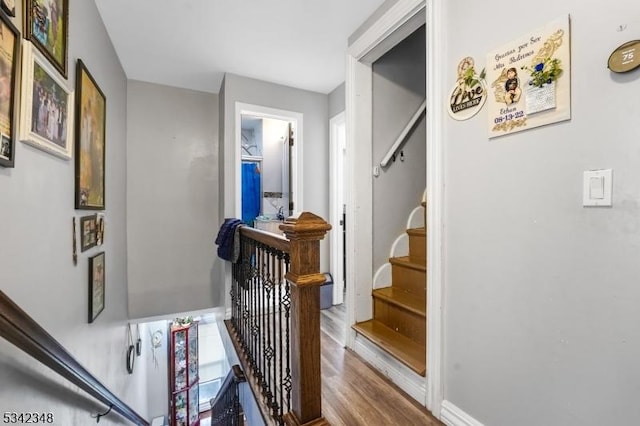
9,6
46,121
88,232
96,285
90,141
100,230
9,63
47,26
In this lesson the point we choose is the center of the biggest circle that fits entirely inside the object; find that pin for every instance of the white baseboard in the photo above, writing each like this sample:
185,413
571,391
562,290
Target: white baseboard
454,416
407,380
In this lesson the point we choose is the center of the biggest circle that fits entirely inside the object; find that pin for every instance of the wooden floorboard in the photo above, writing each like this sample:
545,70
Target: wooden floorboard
332,322
354,394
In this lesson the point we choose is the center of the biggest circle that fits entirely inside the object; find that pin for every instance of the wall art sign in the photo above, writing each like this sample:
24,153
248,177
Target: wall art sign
469,93
625,58
530,80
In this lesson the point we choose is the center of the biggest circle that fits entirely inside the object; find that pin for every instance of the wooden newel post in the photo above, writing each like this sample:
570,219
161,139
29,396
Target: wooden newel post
305,233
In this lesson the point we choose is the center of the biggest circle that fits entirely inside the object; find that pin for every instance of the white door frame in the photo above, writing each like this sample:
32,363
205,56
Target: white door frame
296,152
337,146
397,22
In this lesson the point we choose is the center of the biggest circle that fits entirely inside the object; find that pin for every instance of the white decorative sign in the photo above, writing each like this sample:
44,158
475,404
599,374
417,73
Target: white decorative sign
530,80
469,93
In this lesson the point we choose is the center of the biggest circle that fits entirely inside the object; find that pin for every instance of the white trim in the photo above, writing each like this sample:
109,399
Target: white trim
279,114
436,15
359,105
382,277
337,184
405,378
350,100
394,18
454,416
359,200
400,246
416,218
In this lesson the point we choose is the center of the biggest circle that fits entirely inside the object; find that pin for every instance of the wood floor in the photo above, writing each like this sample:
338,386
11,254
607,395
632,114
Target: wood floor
332,322
353,393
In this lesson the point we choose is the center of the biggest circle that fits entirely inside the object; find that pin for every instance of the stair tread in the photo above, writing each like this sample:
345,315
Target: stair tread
418,232
399,346
403,299
404,261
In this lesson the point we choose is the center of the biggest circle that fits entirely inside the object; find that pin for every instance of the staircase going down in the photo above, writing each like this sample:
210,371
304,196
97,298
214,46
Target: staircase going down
399,309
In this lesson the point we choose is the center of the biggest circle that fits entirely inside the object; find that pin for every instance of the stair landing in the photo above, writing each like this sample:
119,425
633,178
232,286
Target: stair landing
401,347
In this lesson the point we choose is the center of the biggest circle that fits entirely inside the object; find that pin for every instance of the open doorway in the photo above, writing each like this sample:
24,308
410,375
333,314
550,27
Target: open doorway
268,148
383,34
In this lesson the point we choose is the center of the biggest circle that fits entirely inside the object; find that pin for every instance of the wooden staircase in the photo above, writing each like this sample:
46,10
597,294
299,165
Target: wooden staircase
399,312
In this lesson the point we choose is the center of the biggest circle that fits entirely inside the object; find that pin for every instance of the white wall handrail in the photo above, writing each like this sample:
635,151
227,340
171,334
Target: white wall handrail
403,135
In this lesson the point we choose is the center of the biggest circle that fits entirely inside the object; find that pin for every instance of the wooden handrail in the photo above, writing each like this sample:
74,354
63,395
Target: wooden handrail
235,376
225,407
403,134
17,327
273,240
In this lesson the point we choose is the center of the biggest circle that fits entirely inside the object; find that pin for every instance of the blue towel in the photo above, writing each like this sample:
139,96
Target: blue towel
228,239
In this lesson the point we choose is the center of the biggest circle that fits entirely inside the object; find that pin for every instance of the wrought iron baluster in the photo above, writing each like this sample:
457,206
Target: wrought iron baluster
287,322
280,339
268,349
263,294
253,303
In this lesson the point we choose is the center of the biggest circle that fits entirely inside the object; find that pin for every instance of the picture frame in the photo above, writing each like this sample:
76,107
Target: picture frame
91,107
9,65
100,230
9,6
47,27
88,232
46,119
96,285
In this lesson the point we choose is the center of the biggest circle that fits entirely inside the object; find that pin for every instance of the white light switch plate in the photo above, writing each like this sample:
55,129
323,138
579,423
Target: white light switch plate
597,188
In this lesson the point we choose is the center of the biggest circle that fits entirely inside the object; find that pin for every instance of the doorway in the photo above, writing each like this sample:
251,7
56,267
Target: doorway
268,149
391,27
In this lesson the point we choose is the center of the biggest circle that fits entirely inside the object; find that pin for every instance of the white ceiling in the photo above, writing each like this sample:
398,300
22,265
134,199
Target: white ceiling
192,43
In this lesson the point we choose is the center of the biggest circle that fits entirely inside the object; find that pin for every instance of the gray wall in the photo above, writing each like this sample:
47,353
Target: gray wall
398,91
337,100
157,377
315,164
35,254
541,303
172,214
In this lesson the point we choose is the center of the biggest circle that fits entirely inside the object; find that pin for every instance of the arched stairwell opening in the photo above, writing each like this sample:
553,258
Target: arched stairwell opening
399,300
